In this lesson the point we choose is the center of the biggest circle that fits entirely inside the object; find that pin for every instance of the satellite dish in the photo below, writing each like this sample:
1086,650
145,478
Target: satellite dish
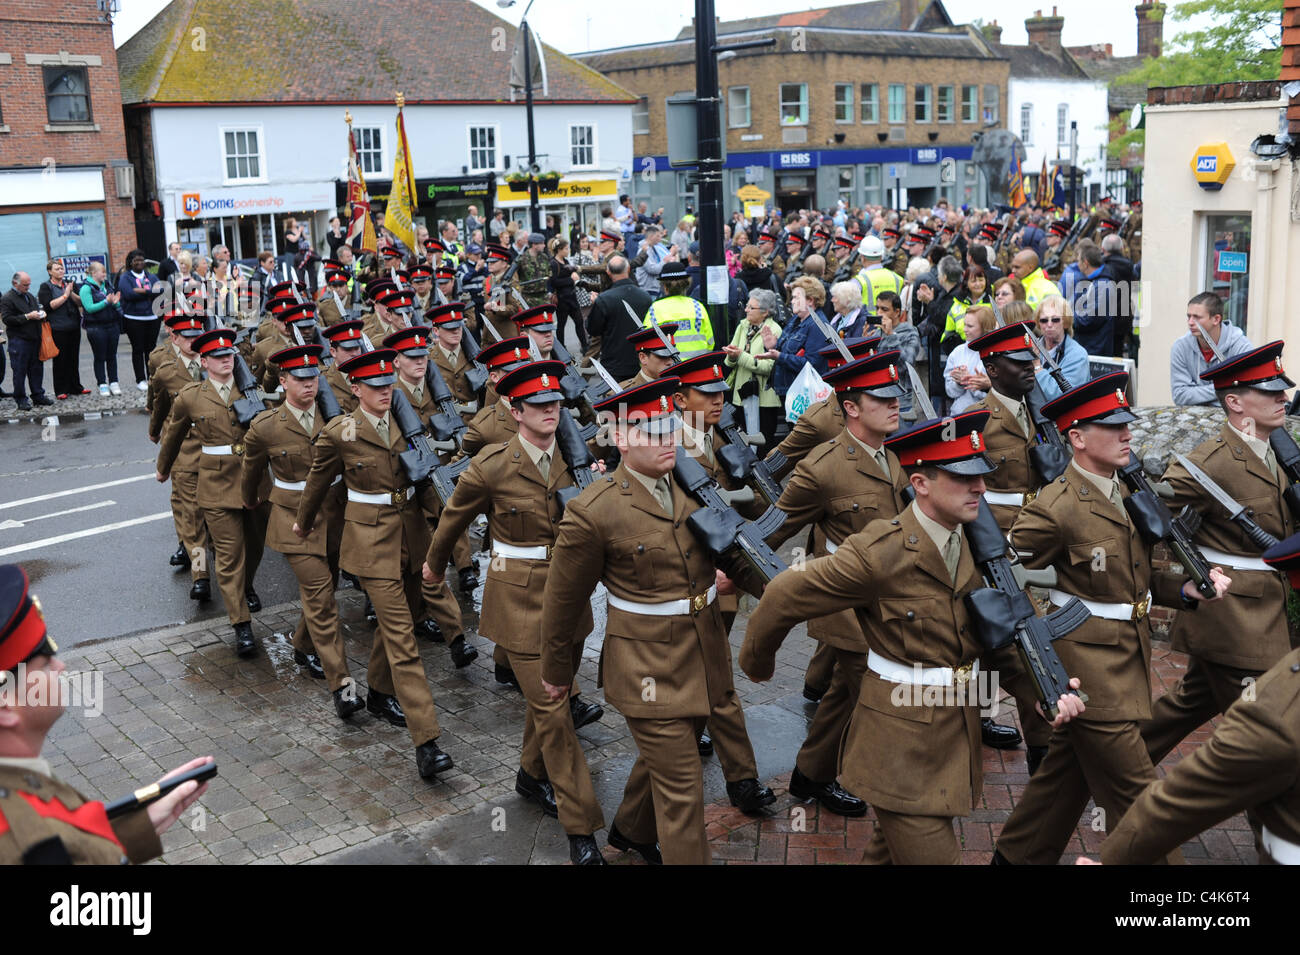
1138,118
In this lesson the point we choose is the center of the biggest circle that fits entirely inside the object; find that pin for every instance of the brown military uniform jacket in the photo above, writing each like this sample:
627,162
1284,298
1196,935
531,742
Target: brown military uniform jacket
379,540
1248,627
1098,555
198,410
839,490
638,379
904,756
494,424
522,509
652,667
1252,760
454,376
822,421
376,330
260,362
342,388
1008,448
165,385
35,807
276,438
156,357
327,311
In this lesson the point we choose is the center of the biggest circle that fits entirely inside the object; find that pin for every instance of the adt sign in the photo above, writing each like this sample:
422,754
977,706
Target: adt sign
1208,164
1212,164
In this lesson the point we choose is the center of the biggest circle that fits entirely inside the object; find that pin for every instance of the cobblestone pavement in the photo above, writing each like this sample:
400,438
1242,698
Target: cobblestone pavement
299,785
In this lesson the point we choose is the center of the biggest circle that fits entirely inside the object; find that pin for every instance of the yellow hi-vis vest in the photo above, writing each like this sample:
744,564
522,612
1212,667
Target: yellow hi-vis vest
875,280
694,334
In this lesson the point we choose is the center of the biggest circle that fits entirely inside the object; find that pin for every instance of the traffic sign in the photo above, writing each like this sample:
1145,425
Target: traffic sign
752,193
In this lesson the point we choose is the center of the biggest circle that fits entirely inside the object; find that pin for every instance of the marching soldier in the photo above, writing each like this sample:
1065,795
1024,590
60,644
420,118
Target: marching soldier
446,278
517,485
411,347
282,439
1230,643
538,323
534,272
1009,363
700,395
169,377
204,408
421,277
596,277
300,315
385,536
336,296
501,299
344,340
767,246
840,488
44,821
915,759
655,357
1079,525
895,259
390,315
664,662
494,424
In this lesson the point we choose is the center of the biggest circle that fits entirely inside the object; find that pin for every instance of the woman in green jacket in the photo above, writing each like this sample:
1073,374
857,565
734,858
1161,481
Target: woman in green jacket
103,326
753,363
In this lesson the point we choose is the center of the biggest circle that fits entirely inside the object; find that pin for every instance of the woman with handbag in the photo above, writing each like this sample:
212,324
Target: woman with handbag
103,320
59,300
752,375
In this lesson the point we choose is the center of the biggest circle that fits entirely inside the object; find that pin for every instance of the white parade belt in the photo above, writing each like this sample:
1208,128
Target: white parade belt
1132,612
502,549
670,608
1005,498
1237,561
393,497
831,547
299,485
1282,851
918,675
222,449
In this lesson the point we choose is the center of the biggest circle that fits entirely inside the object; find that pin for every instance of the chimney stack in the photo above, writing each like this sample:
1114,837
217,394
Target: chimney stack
907,14
1045,32
993,32
1291,59
1151,28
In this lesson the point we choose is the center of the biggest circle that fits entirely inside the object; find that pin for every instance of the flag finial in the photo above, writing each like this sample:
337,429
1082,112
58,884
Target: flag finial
347,116
401,100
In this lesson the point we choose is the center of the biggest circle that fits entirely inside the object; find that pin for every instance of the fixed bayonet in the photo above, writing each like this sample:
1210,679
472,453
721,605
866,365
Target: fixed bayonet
833,336
1237,513
919,393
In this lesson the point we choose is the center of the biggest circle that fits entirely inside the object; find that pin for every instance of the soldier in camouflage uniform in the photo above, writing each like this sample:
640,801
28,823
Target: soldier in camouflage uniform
534,272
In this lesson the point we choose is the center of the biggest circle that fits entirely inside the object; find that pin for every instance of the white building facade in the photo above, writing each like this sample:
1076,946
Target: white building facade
1041,110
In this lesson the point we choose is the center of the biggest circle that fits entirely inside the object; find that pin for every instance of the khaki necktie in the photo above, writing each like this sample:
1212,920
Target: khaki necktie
1270,459
544,465
417,395
664,495
382,428
224,391
708,448
307,419
1022,418
1117,498
882,461
952,554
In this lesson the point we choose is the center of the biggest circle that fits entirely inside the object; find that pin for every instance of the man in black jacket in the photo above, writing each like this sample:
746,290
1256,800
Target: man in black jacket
610,321
1119,269
22,314
170,265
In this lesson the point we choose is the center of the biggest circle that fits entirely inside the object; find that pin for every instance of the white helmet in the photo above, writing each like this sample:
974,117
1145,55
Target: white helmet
871,247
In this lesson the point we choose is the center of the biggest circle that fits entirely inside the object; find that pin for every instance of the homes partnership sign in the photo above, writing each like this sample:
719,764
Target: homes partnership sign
252,200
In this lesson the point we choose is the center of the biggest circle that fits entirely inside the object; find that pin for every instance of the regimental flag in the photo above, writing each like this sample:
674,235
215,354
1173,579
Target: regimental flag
1059,199
398,217
1016,183
1042,189
361,228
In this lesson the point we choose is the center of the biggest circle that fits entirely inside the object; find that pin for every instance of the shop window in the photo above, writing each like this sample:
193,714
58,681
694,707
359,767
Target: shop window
871,193
243,154
843,102
1227,262
846,185
641,117
738,116
370,148
922,106
482,148
76,232
869,105
794,104
969,103
897,103
944,112
67,94
582,146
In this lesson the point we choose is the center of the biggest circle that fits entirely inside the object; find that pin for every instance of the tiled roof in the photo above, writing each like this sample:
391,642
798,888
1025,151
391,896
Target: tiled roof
1033,62
875,15
336,51
1124,96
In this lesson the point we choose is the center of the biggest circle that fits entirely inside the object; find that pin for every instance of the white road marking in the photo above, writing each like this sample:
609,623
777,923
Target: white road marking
88,532
8,525
74,490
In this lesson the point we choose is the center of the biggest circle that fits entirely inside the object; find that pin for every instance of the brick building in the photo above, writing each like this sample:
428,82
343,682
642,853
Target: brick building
65,183
850,102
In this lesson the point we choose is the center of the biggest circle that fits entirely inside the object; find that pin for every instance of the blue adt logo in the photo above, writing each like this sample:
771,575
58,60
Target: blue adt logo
1207,163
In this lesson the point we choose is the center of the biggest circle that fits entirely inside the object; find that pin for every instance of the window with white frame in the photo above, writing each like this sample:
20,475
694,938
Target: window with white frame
794,104
1063,123
243,154
990,102
897,103
370,148
946,104
482,148
869,103
843,102
922,106
970,106
738,116
1026,123
641,117
582,145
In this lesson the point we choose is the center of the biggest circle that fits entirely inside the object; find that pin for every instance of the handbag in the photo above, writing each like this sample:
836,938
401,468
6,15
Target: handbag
48,348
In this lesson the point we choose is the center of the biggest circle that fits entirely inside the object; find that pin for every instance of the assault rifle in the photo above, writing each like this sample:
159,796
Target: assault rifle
1051,455
1155,522
740,462
1053,260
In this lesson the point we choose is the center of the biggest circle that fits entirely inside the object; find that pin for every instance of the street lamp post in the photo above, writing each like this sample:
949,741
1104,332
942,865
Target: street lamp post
534,212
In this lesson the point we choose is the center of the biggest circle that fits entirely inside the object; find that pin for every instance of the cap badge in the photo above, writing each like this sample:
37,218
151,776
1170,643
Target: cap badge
546,380
383,366
1119,396
717,371
663,403
893,373
518,355
1277,363
975,440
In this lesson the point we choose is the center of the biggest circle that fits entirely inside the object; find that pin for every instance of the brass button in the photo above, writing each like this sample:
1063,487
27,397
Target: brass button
640,548
911,615
855,505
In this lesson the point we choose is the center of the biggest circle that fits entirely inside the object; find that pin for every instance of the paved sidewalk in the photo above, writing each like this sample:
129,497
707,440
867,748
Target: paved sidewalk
297,784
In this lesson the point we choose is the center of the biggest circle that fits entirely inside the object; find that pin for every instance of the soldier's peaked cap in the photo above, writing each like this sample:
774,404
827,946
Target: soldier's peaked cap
214,344
540,318
703,372
300,361
412,342
645,339
1285,556
1100,401
505,353
1009,341
372,368
858,347
533,382
954,444
344,332
877,375
189,326
1259,368
451,315
648,407
22,624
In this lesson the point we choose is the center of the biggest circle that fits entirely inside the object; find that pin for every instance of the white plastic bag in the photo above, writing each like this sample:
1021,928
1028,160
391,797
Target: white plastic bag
808,388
